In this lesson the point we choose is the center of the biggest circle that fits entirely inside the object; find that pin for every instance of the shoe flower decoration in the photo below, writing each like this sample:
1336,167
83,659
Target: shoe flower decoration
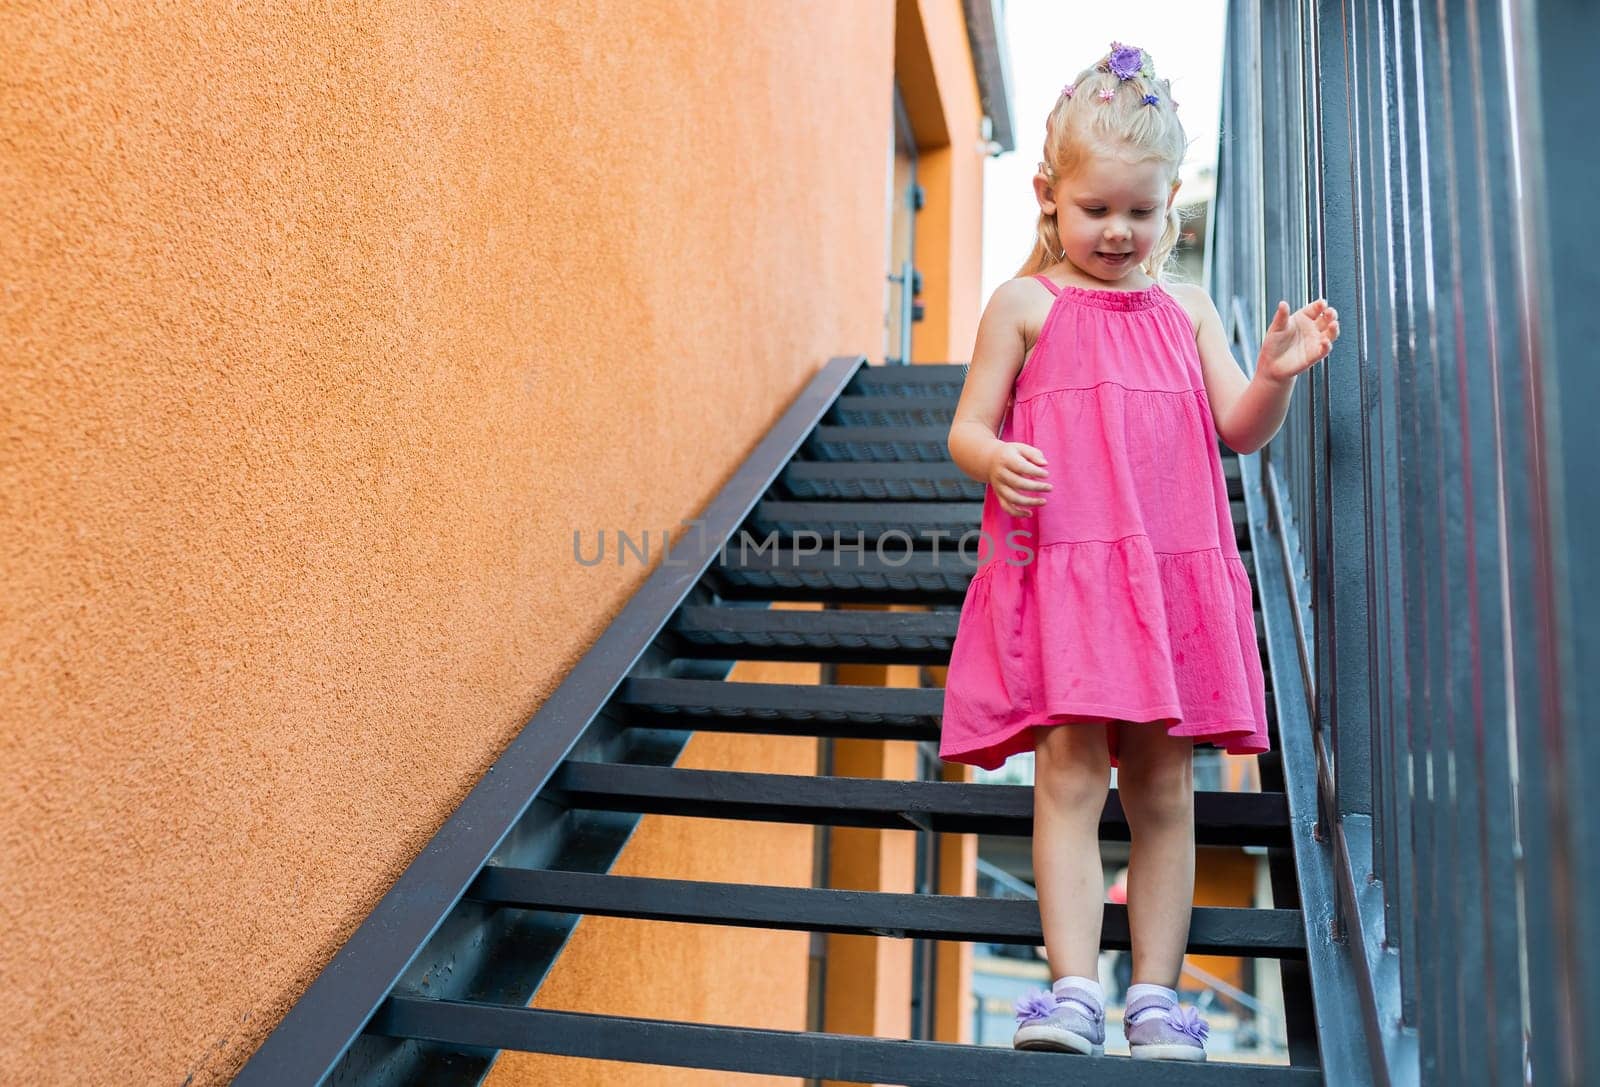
1188,1021
1035,1005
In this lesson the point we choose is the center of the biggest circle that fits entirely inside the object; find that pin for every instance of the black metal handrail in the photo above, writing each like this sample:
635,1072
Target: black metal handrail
1436,582
331,1015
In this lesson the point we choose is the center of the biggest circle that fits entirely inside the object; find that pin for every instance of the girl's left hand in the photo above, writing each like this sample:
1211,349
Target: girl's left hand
1298,341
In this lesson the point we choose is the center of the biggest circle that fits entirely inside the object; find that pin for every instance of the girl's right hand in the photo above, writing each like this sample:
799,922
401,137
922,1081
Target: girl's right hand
1017,474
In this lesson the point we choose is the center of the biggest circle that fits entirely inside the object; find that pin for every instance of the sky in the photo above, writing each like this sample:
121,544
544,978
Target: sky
1049,41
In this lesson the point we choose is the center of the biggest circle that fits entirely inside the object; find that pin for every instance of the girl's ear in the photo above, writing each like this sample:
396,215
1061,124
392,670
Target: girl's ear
1173,195
1043,192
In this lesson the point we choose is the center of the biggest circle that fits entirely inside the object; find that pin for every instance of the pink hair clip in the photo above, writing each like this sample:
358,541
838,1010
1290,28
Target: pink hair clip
1067,90
1107,95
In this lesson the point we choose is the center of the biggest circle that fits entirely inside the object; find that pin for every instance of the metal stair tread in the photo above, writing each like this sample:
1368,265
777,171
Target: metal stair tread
820,700
895,481
882,481
779,571
877,410
783,634
850,1057
873,520
1221,818
782,572
917,443
941,380
864,623
1214,930
789,709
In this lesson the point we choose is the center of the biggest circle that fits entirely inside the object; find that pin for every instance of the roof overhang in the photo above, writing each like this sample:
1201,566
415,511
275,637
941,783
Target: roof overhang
986,37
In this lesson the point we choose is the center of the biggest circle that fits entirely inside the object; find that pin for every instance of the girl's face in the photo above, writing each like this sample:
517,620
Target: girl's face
1110,213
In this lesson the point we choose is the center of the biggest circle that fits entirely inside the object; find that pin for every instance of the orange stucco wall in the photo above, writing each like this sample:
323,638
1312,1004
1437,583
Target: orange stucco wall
325,330
1223,877
940,86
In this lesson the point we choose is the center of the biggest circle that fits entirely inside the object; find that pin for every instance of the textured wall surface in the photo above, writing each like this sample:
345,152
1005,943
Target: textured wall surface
950,227
325,329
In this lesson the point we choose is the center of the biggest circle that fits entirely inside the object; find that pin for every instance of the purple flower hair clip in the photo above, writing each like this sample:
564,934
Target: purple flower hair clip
1126,60
1187,1021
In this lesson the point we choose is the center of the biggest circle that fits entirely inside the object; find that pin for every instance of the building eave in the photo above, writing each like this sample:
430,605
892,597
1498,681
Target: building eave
986,38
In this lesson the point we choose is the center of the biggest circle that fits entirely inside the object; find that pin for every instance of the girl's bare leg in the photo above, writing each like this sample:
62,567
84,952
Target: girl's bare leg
1155,780
1072,771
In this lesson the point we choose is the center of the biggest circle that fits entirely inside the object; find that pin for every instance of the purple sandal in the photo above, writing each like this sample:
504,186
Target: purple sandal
1174,1034
1071,1022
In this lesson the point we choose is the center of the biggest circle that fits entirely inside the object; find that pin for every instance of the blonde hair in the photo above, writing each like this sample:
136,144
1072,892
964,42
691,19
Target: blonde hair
1081,125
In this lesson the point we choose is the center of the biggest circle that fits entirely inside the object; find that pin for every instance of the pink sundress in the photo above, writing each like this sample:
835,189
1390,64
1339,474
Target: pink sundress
1123,598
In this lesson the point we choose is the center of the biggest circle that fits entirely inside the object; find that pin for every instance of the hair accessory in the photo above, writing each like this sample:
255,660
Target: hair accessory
1067,90
1126,61
1151,100
1107,95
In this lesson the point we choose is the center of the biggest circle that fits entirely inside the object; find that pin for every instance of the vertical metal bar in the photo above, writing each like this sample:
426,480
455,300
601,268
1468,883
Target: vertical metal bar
1558,682
1489,384
1452,1029
1435,1008
1457,702
1287,459
1343,692
1297,164
1384,453
1285,213
1274,149
908,280
1401,880
925,952
1380,109
1253,276
1341,256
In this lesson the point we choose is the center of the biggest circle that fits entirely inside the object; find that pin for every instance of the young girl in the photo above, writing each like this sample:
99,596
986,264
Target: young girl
1109,622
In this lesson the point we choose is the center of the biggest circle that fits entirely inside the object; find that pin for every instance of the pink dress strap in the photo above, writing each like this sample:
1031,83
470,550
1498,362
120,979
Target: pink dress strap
1046,281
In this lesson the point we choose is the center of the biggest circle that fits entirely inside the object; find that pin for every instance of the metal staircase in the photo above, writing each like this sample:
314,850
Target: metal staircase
435,983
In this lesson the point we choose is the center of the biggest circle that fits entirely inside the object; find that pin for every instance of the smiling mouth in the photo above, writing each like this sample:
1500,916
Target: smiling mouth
1113,256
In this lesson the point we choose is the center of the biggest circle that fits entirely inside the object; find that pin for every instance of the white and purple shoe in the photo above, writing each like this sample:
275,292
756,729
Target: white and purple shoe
1068,1022
1168,1034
